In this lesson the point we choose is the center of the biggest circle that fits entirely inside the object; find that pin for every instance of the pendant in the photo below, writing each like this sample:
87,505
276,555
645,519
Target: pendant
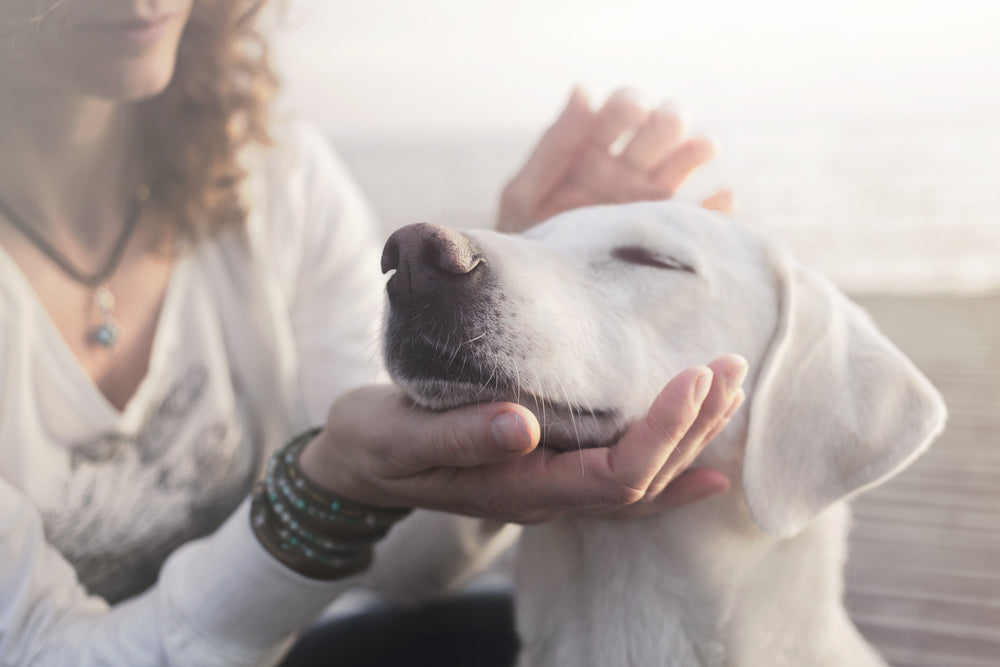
108,332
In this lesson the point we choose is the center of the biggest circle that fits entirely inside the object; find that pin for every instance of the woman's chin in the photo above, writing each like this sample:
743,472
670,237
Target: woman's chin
128,84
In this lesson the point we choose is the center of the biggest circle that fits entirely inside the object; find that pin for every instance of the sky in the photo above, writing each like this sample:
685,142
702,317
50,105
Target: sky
397,65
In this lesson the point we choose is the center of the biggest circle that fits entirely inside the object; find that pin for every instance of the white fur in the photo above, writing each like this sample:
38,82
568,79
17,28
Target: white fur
750,578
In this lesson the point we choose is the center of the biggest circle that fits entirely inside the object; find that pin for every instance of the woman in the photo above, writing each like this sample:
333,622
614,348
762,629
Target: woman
185,287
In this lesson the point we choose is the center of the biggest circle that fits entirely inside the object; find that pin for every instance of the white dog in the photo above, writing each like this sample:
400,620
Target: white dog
583,319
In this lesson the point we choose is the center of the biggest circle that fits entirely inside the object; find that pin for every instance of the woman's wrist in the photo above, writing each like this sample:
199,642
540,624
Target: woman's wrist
311,530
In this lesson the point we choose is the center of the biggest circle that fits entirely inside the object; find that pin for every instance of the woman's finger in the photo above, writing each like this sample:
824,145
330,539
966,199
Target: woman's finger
638,456
682,161
476,435
689,487
621,112
722,201
654,141
728,373
599,178
721,424
548,164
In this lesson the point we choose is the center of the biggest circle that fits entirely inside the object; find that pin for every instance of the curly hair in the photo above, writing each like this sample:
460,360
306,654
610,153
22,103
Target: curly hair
216,104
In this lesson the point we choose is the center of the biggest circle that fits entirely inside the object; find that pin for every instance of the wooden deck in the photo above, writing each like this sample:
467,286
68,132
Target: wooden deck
923,579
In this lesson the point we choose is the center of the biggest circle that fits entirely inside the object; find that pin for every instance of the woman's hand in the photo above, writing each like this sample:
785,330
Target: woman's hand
483,460
573,164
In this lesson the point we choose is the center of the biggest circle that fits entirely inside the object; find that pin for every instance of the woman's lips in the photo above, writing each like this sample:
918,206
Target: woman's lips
134,31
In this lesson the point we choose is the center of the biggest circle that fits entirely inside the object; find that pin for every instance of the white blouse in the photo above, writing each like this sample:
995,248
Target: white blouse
259,331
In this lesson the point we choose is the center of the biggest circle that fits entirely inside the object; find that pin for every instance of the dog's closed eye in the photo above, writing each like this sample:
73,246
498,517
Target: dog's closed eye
644,257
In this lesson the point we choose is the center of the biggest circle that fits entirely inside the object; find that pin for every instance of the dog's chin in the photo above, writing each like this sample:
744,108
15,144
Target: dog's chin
563,428
438,394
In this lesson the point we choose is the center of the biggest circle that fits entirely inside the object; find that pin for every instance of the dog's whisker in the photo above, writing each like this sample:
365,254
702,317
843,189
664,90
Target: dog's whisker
533,387
493,374
517,385
474,339
573,420
454,354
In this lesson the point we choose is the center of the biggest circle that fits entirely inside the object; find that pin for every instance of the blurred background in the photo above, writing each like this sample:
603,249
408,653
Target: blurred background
864,132
867,132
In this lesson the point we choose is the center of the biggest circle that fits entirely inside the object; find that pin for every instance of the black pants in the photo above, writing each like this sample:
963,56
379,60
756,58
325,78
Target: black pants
465,631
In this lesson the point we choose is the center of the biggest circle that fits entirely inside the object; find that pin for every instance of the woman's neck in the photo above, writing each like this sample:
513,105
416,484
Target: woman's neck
68,163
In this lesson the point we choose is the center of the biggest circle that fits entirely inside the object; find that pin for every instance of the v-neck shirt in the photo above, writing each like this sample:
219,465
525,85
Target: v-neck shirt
260,329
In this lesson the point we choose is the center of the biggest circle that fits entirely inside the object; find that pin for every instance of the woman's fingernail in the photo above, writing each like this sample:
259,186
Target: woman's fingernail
628,95
701,386
738,400
510,432
734,378
578,95
715,484
671,109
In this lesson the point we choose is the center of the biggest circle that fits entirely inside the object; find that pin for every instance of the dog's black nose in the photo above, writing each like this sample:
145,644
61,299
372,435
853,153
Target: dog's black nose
429,260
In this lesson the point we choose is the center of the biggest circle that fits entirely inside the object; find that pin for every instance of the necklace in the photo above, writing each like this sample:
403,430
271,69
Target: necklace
108,331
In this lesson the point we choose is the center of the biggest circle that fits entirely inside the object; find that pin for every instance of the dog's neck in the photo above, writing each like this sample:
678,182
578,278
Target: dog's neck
690,587
700,585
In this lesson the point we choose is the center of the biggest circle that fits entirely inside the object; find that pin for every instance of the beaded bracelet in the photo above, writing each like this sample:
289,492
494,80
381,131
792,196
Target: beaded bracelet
313,531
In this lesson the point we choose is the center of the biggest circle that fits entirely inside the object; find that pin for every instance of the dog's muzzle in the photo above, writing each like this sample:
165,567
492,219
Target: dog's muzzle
448,342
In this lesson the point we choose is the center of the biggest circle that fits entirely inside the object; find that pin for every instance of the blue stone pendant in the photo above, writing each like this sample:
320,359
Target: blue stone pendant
108,332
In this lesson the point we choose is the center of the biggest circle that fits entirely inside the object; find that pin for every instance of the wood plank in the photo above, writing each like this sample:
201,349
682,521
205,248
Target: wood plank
923,577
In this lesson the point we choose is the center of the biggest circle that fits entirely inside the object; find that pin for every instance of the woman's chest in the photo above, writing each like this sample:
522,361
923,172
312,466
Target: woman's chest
118,490
119,502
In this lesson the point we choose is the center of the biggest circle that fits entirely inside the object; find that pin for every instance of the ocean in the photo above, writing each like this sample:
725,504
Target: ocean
879,205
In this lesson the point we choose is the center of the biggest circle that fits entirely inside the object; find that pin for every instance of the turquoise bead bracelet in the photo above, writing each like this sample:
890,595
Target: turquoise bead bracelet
317,533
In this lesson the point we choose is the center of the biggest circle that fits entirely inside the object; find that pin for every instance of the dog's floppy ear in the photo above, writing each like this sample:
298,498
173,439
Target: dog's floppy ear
837,408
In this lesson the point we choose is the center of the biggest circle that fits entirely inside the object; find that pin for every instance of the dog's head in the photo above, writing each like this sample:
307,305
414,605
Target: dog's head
584,318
